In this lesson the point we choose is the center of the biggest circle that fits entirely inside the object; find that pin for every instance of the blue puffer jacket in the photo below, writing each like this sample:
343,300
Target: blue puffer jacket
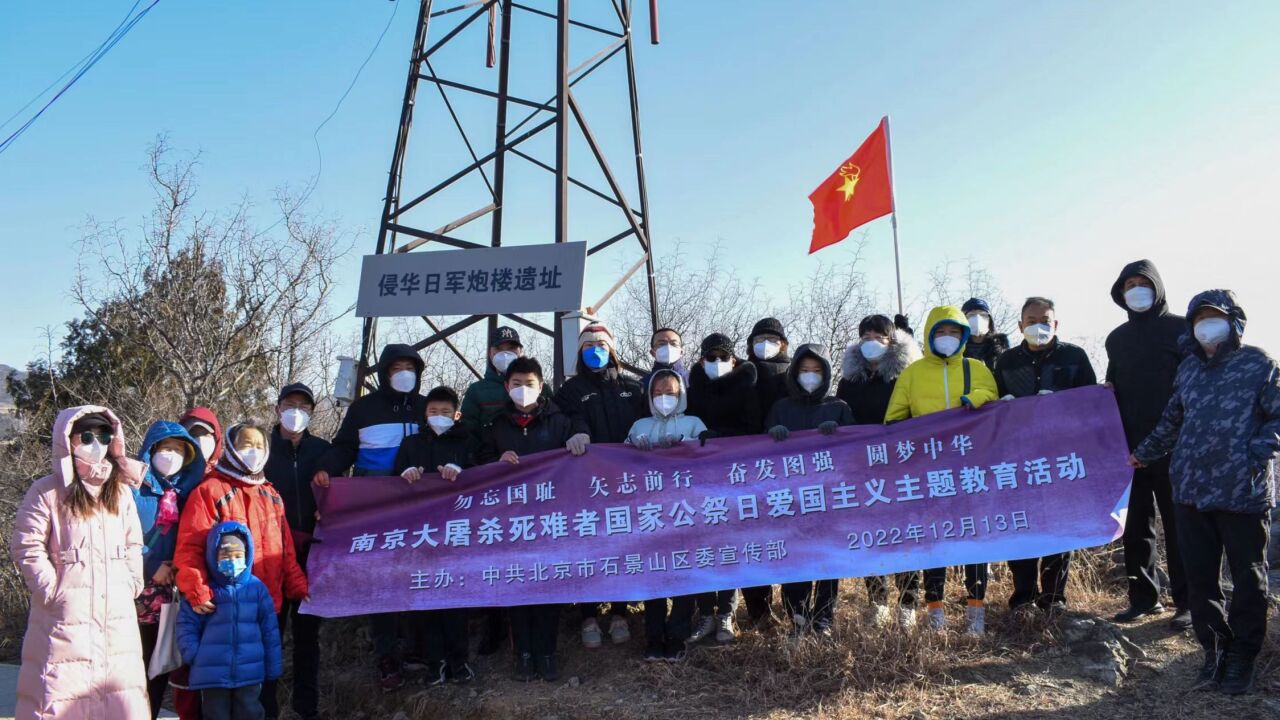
1222,423
238,644
159,542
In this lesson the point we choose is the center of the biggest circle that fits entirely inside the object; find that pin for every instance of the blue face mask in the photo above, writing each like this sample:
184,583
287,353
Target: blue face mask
231,567
595,357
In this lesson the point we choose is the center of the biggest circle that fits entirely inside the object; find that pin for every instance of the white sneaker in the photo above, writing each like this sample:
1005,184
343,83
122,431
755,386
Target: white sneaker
706,626
879,616
725,632
619,630
906,617
937,619
591,637
799,625
977,620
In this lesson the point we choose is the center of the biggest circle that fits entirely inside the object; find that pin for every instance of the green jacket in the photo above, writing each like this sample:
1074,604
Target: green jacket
485,399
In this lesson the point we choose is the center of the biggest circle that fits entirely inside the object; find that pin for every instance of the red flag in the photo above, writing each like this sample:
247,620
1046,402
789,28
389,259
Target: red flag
858,192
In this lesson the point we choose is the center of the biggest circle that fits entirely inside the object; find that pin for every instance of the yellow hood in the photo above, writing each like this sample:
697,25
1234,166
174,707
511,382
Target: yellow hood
937,316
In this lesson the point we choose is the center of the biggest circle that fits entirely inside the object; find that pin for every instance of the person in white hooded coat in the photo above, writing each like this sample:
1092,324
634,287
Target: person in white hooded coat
665,634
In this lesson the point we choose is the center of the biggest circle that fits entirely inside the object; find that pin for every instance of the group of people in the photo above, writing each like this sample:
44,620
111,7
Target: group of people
222,519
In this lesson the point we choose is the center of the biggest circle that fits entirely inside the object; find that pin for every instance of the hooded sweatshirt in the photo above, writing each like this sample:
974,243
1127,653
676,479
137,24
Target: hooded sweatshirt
81,656
160,539
803,409
238,644
229,493
1222,423
1143,355
867,391
677,424
376,424
729,405
935,383
206,416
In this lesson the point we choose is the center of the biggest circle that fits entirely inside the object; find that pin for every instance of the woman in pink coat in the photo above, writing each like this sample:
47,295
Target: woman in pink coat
78,542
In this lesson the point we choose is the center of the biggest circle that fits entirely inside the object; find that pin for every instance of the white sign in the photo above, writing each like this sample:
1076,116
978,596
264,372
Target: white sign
482,281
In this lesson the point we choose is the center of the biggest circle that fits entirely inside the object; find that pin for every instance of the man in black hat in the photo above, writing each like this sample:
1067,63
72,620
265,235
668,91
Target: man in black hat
485,399
294,458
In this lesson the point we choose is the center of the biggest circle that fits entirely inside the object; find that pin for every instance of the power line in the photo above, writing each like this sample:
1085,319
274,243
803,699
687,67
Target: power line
84,65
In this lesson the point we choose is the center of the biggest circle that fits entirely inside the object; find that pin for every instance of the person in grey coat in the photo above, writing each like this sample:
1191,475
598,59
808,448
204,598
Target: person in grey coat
1222,426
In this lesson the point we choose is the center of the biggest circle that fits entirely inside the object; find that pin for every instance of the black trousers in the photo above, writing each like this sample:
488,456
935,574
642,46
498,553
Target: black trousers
722,602
1151,492
590,610
758,600
908,584
814,600
975,581
534,629
442,634
669,620
155,686
1243,536
306,663
1042,581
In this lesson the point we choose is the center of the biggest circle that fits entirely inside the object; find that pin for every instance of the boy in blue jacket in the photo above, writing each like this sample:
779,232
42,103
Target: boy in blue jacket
235,647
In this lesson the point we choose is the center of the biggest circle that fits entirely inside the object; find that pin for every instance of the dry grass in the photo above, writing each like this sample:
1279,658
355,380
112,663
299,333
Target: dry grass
1022,669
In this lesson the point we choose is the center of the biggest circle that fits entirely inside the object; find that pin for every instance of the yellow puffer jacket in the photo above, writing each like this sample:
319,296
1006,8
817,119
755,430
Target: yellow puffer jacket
935,383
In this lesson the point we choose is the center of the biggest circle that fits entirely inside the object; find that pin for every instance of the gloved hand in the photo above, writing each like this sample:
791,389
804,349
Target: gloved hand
965,402
828,427
1045,392
578,443
640,442
669,441
779,432
902,323
1008,397
703,437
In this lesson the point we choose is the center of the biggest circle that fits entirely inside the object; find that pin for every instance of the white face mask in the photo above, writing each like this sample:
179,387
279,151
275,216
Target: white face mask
1038,335
523,395
253,459
1212,331
946,346
872,350
810,381
440,423
1140,299
664,405
766,349
717,368
93,453
295,420
207,444
668,354
166,462
404,380
502,360
979,324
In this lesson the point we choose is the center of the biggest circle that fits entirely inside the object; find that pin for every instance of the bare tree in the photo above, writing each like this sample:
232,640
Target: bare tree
952,282
828,305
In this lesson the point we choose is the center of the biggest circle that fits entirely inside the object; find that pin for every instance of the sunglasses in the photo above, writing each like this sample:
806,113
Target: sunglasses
103,437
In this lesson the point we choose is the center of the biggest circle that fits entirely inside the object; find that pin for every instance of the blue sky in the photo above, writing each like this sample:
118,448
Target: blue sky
1052,142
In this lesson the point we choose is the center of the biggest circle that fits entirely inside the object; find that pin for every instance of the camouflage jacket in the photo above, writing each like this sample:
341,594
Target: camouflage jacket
1223,427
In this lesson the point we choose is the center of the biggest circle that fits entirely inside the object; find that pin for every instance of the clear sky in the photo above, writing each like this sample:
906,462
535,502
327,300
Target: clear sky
1051,141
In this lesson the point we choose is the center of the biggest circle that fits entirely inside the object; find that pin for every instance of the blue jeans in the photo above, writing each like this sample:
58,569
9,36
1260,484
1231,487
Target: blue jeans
232,703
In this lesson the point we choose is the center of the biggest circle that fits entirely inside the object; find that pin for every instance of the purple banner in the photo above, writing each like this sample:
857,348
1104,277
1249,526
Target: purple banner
1014,480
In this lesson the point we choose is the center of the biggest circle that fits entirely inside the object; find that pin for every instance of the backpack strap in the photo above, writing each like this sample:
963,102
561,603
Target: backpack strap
967,378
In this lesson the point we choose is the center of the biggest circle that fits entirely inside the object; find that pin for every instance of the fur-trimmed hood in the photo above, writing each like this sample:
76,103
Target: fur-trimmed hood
902,351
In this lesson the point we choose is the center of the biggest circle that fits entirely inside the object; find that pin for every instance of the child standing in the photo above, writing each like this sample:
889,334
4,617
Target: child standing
808,406
235,648
530,424
669,426
446,448
946,379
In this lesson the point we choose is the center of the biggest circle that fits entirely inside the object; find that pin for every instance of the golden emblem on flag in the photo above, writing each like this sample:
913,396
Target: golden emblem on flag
850,173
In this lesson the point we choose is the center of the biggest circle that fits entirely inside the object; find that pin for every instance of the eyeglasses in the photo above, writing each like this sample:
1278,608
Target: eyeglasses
103,437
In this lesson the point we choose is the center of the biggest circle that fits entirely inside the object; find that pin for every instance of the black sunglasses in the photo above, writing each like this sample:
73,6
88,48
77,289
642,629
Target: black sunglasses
103,437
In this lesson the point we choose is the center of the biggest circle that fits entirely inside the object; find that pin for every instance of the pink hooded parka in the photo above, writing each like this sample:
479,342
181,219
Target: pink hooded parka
81,657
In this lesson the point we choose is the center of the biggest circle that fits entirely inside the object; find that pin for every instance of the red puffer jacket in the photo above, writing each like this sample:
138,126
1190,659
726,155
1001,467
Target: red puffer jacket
220,498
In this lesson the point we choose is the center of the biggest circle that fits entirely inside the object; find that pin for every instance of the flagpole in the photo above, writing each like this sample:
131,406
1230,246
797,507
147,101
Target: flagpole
893,216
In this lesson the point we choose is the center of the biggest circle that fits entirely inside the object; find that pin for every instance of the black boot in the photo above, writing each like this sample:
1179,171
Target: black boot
1237,675
1211,671
547,668
495,632
524,668
1133,613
